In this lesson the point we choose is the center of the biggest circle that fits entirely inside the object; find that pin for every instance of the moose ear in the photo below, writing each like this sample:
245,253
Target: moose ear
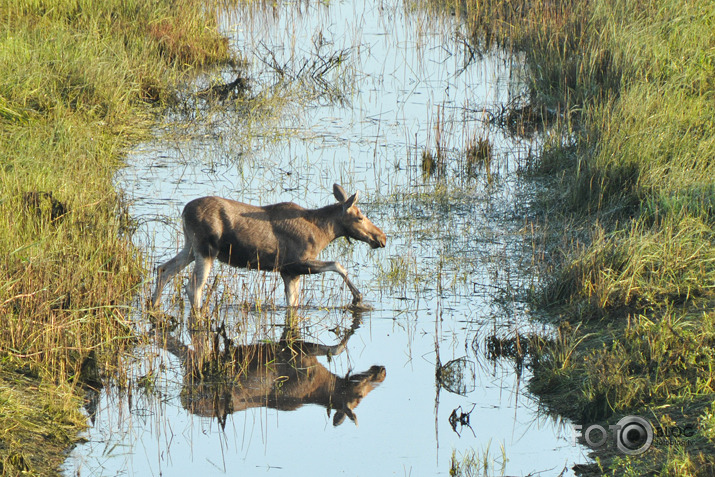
351,201
340,416
339,193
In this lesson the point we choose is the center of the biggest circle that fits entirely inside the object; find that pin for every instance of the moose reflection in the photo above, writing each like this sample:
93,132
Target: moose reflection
222,378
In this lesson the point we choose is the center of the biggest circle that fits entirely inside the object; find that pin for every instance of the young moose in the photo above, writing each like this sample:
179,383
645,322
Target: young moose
283,237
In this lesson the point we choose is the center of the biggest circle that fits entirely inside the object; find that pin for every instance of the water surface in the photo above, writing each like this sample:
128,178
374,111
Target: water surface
353,94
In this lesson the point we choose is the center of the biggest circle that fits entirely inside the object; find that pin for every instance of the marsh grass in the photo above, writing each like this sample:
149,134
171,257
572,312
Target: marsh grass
472,463
476,160
38,416
78,84
431,164
631,85
399,273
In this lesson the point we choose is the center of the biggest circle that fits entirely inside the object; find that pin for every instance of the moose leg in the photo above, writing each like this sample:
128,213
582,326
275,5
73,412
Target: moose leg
316,266
166,271
202,267
292,288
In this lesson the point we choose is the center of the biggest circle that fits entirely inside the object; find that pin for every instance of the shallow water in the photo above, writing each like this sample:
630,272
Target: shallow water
458,254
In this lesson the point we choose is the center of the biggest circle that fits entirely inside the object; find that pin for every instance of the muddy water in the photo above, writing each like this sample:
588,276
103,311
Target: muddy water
354,94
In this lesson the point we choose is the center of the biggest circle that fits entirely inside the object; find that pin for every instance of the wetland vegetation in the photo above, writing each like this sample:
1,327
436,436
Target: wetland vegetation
81,81
627,218
621,92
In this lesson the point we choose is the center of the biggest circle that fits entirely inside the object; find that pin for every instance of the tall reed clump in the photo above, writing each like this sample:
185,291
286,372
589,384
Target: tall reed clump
633,84
80,83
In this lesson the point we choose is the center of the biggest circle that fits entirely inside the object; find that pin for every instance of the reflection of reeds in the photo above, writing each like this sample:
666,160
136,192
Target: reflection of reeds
479,156
322,77
457,376
432,164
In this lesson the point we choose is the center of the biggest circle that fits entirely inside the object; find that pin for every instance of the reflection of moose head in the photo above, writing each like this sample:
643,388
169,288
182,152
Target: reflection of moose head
283,375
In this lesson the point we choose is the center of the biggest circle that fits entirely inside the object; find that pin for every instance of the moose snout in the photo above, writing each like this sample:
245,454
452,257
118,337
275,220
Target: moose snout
377,373
378,241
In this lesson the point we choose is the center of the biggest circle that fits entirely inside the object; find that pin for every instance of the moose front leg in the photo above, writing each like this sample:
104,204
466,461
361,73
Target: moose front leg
292,288
309,267
166,271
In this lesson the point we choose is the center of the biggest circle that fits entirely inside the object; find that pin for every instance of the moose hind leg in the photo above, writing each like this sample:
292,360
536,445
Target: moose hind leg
166,271
202,267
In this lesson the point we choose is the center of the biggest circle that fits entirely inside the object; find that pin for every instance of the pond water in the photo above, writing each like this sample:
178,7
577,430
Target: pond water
357,94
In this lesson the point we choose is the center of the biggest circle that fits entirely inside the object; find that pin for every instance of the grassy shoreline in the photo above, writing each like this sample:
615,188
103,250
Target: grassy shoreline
82,81
629,158
629,155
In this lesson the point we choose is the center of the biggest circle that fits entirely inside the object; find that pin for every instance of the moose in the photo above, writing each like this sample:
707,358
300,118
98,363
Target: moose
281,375
284,238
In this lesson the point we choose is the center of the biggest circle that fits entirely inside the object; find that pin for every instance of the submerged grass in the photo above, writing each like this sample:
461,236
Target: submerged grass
628,88
81,81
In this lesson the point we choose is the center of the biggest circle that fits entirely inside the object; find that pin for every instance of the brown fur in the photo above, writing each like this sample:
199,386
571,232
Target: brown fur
282,237
283,375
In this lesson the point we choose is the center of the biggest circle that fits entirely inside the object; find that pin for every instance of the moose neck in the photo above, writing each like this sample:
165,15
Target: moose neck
328,221
326,390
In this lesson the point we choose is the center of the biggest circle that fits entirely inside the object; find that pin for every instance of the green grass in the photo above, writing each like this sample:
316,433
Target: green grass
473,464
629,154
82,81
